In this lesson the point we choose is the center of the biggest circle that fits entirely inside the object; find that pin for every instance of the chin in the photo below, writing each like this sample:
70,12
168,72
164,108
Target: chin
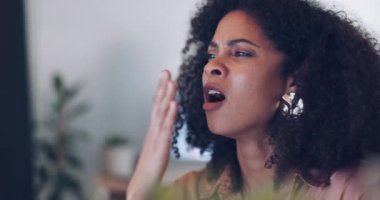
222,131
222,126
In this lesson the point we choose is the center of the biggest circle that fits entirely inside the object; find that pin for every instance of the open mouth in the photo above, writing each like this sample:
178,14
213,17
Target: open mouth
214,98
213,95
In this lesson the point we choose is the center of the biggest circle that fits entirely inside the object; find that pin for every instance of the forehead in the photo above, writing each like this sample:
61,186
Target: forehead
238,24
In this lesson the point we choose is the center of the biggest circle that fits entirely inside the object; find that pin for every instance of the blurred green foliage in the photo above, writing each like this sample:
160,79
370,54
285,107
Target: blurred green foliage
116,139
58,166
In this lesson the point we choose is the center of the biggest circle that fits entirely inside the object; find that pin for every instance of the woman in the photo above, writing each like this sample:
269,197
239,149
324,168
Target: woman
284,93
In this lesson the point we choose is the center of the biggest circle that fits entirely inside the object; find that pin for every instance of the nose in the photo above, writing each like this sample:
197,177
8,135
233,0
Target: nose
216,68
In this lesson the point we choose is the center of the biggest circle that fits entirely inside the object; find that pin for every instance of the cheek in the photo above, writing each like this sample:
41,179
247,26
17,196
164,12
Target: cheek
256,98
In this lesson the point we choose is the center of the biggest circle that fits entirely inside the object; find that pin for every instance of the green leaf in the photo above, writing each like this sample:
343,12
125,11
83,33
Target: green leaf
48,150
43,174
77,134
78,110
50,123
70,93
73,161
58,83
72,184
56,193
116,139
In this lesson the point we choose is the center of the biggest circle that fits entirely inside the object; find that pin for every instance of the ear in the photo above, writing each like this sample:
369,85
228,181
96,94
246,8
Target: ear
291,85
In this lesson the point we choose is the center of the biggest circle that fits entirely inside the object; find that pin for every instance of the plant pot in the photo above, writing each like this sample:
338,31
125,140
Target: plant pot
120,160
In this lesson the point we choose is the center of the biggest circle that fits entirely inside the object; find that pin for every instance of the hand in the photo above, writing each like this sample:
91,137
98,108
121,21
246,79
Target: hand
154,156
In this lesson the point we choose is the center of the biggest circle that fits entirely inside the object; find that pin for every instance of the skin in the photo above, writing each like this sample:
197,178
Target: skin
249,76
157,141
246,67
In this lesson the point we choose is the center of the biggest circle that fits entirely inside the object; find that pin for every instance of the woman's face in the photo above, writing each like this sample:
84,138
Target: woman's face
242,80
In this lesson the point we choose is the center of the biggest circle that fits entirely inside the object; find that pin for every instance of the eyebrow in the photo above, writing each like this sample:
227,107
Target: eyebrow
233,42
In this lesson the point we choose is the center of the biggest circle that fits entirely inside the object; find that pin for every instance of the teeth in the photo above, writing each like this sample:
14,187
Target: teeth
214,96
211,92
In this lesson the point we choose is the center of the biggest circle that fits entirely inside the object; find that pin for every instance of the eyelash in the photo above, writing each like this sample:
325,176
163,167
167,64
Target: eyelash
242,54
238,54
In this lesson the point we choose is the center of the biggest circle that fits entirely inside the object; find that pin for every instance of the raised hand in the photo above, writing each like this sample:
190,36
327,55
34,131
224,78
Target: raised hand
154,156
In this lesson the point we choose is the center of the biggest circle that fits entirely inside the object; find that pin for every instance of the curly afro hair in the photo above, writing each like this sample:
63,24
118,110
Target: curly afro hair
336,66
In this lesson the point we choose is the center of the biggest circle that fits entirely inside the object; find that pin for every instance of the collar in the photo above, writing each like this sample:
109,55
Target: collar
222,187
219,189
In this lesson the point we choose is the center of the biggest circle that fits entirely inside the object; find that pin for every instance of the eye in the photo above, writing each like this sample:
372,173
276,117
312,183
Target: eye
210,56
242,54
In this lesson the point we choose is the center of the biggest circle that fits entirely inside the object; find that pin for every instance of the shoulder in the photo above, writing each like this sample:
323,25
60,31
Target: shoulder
353,183
347,183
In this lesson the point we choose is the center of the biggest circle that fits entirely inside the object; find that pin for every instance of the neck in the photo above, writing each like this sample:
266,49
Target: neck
252,153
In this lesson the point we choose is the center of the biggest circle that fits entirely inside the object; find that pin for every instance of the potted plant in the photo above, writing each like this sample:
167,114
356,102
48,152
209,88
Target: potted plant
58,166
119,155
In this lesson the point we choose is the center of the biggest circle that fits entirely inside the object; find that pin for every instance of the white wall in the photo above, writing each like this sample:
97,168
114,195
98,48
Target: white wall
117,49
366,12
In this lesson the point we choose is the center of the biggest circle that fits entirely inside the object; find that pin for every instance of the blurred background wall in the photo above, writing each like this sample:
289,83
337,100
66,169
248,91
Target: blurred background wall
116,49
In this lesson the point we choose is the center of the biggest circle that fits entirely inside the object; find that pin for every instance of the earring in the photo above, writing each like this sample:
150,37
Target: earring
289,108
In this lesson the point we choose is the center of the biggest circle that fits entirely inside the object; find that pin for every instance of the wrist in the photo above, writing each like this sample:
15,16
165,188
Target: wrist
133,194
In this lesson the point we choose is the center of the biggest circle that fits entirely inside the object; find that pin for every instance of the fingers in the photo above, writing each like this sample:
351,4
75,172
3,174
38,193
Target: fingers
161,87
165,102
160,93
168,123
156,149
166,92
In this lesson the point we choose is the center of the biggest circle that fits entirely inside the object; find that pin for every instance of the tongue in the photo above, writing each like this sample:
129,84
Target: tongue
216,98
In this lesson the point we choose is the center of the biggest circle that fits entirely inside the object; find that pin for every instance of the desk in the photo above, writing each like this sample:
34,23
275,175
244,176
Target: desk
114,187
